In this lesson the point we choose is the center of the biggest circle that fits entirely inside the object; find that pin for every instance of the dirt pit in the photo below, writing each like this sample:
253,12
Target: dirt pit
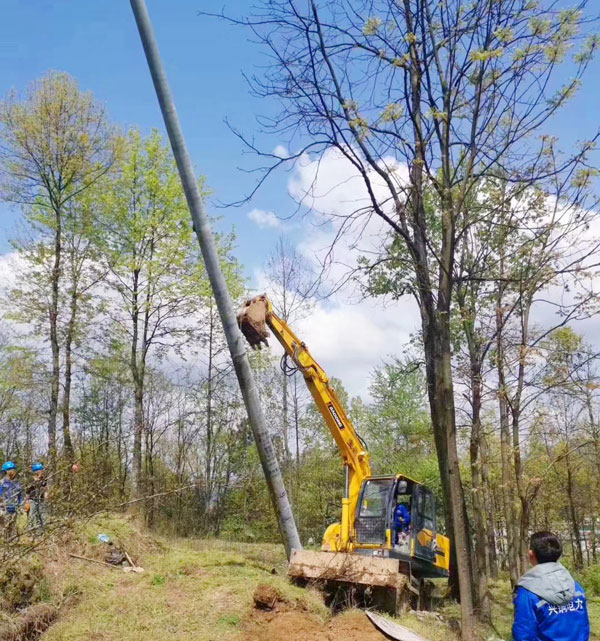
276,619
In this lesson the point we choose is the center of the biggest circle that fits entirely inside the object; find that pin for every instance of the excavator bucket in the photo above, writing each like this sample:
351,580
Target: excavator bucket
349,568
252,319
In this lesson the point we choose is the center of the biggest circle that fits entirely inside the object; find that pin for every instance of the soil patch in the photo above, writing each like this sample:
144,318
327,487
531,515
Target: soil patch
301,626
267,597
277,619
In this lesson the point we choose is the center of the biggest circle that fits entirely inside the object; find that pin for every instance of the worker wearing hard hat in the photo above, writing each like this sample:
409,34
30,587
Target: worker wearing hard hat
11,498
35,499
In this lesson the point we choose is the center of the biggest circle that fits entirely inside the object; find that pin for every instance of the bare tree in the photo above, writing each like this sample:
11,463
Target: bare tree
289,277
422,97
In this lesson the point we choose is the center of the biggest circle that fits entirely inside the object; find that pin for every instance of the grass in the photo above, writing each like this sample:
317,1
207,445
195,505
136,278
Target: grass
190,589
594,611
201,590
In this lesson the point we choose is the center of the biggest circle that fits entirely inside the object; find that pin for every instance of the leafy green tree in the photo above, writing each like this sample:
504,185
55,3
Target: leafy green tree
154,272
55,143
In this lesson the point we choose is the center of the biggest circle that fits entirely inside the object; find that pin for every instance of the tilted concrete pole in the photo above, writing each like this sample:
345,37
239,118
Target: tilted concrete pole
235,340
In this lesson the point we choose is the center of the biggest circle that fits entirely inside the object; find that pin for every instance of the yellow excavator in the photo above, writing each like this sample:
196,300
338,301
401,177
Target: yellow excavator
367,548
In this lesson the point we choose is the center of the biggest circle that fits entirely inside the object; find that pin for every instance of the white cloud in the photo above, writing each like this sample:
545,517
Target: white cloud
11,264
347,340
340,212
281,151
265,219
350,340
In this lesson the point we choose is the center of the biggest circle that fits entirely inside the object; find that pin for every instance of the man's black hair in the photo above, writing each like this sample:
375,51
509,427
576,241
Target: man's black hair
546,546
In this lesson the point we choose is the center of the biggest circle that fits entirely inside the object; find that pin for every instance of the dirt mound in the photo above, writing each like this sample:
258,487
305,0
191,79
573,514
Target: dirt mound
353,626
294,625
277,618
251,318
267,597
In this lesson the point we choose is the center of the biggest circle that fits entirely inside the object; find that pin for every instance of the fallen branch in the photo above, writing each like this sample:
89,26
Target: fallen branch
85,558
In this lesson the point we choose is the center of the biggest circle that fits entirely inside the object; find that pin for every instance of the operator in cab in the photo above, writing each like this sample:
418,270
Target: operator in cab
402,515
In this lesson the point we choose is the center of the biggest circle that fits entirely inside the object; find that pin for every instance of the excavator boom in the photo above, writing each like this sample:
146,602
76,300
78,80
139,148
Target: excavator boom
254,317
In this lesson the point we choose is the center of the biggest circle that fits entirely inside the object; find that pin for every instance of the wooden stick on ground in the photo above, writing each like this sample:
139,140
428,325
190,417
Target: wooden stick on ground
85,558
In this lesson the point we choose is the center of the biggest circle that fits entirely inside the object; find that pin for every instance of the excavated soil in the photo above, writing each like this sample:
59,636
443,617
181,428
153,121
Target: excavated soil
301,626
275,619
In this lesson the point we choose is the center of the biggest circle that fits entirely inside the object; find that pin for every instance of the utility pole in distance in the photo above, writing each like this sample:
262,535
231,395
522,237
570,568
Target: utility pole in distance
235,340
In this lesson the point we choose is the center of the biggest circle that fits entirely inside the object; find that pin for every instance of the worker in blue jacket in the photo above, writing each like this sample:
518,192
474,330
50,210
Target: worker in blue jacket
11,498
401,522
549,604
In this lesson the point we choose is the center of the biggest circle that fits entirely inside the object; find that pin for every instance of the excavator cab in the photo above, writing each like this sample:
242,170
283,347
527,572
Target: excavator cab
375,529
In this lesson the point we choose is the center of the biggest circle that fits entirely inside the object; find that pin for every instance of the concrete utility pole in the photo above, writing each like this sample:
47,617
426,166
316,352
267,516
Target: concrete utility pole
235,340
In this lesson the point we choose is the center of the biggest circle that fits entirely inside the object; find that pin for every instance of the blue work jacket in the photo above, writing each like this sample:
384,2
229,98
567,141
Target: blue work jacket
538,620
11,495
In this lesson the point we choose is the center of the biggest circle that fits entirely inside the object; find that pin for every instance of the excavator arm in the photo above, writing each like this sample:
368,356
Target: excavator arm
253,318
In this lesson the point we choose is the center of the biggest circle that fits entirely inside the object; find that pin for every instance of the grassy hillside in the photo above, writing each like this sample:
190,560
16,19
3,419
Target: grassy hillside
203,590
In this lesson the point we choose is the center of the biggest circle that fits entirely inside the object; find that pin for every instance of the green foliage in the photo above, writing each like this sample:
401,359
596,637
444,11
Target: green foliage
21,584
56,142
590,580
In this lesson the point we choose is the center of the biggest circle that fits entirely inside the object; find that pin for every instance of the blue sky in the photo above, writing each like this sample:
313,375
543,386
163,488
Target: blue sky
98,44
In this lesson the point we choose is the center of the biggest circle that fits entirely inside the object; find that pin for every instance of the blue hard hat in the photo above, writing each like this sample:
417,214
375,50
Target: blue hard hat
9,465
37,467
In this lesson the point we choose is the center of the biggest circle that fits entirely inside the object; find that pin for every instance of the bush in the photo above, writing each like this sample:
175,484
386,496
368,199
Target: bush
22,584
590,579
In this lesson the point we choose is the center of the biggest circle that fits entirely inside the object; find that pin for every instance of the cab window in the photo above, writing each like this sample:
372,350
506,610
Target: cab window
375,497
428,511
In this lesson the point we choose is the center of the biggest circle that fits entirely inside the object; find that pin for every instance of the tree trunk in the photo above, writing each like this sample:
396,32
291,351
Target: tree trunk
489,507
577,551
285,420
441,400
66,405
138,394
297,431
138,434
54,342
479,511
476,454
512,527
